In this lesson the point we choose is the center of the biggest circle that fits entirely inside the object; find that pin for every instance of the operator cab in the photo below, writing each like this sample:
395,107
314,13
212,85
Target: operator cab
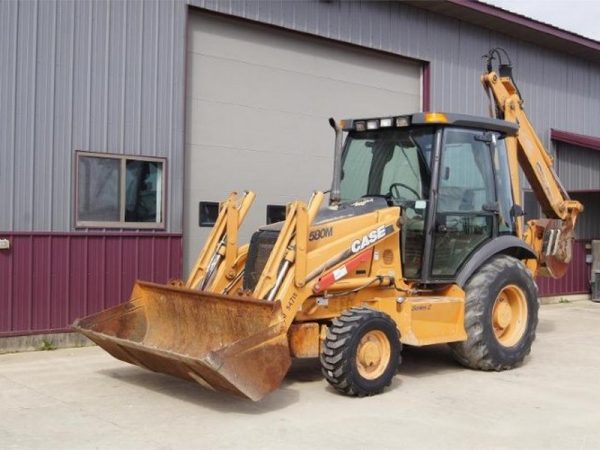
448,173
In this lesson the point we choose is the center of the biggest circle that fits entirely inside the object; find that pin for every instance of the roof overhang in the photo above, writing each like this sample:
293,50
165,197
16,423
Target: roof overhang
514,25
580,140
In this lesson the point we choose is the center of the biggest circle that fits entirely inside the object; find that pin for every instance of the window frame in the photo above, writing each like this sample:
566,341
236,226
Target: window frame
122,224
427,261
365,135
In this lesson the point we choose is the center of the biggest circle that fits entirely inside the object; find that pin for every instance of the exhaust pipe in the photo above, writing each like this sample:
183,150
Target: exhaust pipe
335,194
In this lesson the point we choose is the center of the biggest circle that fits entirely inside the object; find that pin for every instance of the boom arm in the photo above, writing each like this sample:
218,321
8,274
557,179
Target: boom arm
221,246
551,239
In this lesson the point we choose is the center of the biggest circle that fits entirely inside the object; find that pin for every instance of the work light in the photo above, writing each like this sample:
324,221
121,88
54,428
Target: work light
372,124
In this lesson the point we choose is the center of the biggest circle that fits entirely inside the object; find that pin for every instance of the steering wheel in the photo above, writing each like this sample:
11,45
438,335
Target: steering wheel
394,189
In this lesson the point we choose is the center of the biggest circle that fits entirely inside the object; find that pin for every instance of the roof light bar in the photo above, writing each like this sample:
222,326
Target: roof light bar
385,122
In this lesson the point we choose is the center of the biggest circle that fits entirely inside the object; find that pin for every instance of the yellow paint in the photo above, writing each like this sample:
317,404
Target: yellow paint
373,354
527,151
509,315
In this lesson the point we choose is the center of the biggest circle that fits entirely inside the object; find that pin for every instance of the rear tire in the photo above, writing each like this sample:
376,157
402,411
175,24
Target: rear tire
361,352
501,316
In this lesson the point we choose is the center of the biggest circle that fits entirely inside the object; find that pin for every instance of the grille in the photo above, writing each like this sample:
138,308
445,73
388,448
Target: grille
261,244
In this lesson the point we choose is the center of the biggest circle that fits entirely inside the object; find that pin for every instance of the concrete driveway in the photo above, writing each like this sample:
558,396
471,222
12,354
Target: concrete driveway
82,398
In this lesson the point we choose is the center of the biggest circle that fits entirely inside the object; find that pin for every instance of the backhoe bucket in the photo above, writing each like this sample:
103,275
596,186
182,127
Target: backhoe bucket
225,343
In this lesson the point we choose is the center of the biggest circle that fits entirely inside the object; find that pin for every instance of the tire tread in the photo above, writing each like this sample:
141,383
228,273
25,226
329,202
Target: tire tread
336,358
476,351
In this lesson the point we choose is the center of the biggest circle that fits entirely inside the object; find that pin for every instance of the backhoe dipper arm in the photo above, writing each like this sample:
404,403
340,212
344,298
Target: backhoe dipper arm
551,238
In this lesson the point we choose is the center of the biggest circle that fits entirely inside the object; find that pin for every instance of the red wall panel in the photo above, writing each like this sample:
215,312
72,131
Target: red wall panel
47,280
576,280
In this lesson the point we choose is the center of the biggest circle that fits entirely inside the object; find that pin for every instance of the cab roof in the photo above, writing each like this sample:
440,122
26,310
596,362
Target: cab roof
431,118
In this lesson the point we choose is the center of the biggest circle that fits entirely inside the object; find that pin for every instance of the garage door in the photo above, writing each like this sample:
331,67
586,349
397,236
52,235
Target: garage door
257,109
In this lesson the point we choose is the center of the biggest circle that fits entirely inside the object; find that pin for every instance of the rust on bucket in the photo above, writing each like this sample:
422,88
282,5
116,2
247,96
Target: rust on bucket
226,343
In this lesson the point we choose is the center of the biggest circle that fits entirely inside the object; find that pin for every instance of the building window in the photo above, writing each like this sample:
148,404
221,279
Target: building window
119,191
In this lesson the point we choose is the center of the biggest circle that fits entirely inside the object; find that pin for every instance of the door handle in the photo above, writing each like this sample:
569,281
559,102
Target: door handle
493,208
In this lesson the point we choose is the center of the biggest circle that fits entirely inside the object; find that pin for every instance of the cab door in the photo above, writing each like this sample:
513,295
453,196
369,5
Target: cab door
466,206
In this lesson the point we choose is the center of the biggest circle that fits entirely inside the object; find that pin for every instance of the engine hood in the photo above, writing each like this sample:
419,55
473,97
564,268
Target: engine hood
341,211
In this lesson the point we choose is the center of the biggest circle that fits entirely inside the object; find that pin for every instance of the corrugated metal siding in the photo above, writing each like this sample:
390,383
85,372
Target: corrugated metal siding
576,280
588,223
106,76
109,76
578,168
560,90
47,280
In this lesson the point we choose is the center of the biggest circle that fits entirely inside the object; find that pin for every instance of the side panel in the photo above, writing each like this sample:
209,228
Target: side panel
47,280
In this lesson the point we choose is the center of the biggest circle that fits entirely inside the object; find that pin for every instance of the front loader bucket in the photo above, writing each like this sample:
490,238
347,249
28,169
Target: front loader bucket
225,343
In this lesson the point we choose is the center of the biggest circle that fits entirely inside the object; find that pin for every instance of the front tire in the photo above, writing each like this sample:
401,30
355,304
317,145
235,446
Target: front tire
361,352
501,316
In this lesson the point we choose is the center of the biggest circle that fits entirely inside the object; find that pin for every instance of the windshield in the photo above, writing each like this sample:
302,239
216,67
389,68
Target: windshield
387,162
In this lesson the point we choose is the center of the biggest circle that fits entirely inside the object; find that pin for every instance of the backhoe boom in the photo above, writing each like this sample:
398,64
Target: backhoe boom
551,239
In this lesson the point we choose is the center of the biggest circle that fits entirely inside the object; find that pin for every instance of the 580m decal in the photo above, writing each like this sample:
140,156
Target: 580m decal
371,237
320,233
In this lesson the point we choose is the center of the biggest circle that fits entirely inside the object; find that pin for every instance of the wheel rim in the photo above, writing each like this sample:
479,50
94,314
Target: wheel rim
373,354
509,315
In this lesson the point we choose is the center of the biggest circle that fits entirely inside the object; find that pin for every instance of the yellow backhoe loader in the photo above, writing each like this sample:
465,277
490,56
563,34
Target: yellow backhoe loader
422,242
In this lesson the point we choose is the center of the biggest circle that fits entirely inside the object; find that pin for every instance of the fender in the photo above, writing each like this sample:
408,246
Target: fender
508,245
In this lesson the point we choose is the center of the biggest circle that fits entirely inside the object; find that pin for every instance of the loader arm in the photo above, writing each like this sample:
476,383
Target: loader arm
290,248
551,239
219,260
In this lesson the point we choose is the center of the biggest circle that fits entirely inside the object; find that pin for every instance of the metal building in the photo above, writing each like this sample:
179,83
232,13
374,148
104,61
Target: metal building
119,118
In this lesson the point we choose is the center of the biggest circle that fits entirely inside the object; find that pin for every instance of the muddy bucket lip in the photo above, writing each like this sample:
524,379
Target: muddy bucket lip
220,362
213,361
209,360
